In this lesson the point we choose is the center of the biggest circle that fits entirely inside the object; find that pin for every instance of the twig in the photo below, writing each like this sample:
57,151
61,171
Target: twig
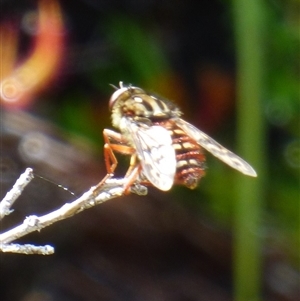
15,192
27,249
110,189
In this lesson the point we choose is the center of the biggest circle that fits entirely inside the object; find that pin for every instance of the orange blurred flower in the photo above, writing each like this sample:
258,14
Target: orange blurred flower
20,83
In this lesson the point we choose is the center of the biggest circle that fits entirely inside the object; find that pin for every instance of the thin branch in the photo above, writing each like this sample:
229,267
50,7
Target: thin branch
110,189
15,192
27,249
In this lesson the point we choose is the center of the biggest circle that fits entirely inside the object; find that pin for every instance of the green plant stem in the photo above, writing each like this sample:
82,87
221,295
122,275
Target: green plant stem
249,18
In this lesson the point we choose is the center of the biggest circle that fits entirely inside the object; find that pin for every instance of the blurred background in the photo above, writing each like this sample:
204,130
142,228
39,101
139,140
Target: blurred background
233,69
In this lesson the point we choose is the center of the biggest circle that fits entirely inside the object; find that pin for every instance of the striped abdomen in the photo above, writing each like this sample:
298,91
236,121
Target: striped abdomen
189,156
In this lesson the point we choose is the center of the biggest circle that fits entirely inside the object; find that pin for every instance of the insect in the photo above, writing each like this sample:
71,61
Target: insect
164,148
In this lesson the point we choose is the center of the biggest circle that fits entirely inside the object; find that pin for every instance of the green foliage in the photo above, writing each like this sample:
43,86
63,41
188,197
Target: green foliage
135,54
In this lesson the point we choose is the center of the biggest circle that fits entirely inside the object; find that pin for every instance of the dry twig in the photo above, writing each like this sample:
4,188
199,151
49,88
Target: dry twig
15,192
110,189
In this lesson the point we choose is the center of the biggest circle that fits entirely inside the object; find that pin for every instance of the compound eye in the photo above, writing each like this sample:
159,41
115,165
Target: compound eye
116,95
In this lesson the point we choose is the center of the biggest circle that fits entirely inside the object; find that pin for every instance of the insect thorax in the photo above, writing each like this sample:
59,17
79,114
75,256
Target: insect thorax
141,105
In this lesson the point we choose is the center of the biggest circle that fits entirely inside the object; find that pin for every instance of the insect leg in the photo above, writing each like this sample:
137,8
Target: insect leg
110,159
132,164
109,148
131,176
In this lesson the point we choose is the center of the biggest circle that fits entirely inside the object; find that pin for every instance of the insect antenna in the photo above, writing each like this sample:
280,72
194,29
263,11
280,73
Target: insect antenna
115,87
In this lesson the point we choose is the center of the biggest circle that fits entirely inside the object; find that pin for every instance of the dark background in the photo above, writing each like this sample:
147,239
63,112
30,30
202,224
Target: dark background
177,245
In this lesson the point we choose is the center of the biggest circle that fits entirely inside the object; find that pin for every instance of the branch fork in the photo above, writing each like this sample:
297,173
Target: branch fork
110,188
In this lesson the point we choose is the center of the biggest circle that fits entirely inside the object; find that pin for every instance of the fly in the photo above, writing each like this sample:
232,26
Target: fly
164,149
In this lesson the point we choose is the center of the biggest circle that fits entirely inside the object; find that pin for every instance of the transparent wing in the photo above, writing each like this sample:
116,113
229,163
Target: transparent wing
156,153
216,149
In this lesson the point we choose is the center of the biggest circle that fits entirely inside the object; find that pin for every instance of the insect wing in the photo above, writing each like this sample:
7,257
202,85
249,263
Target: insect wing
216,149
156,153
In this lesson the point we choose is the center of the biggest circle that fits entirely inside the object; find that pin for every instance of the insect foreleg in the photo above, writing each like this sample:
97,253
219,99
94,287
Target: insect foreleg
109,135
109,148
110,159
